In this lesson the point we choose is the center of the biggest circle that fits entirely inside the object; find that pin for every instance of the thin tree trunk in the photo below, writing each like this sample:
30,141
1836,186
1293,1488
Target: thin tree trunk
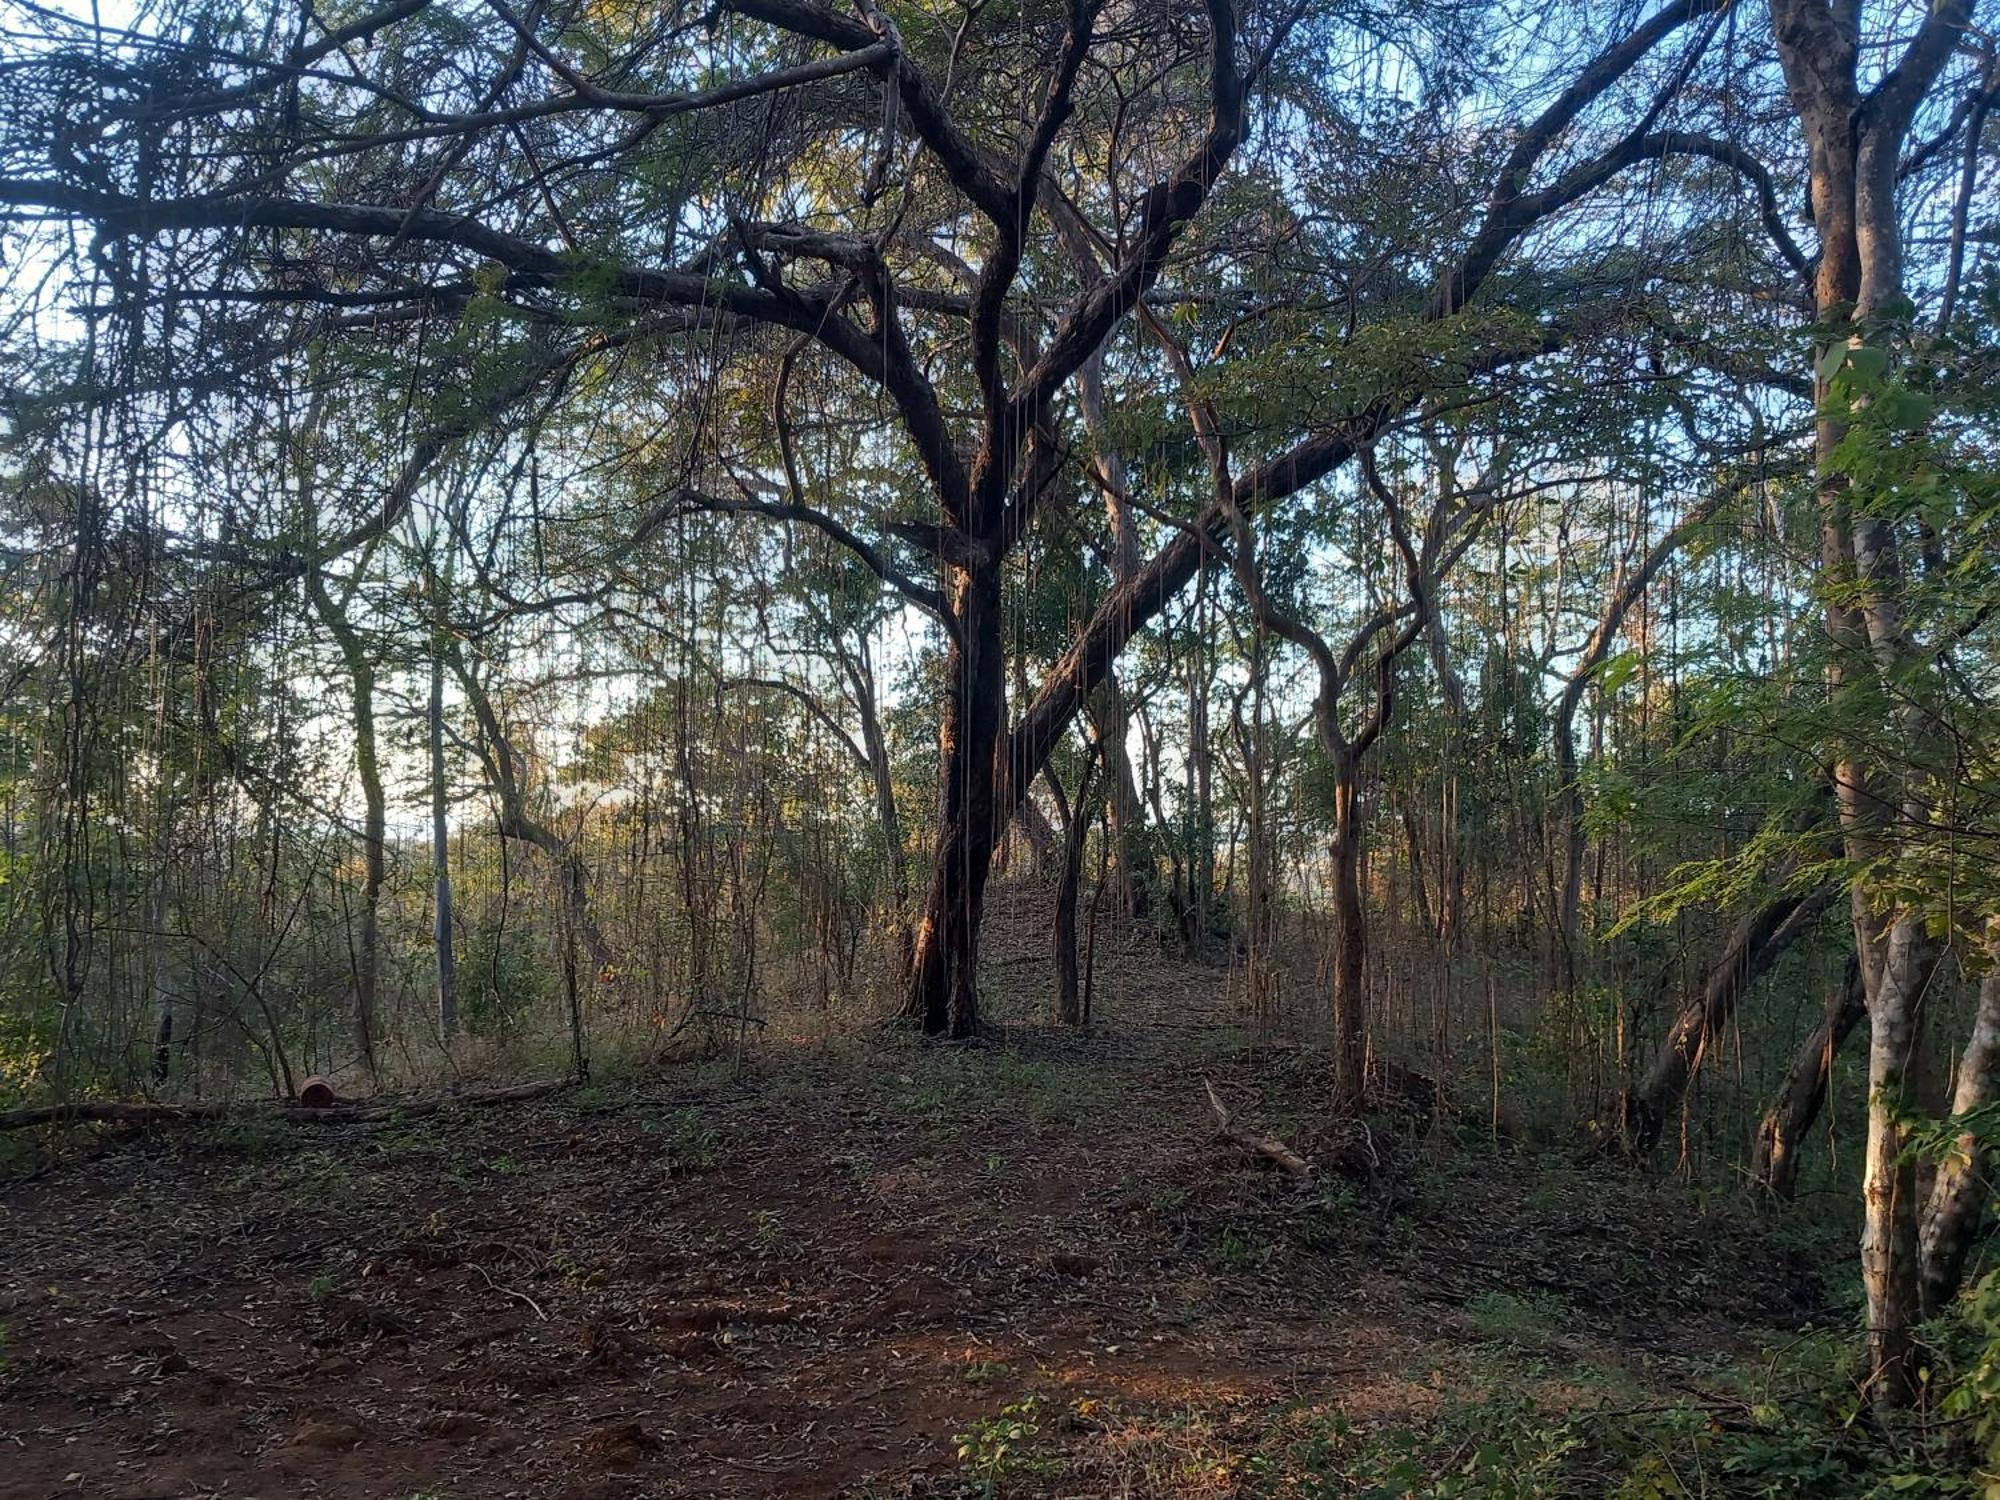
1260,970
1569,788
1132,870
861,674
1419,883
503,764
1043,842
441,932
1076,830
1130,873
160,978
1201,773
1350,939
333,612
375,816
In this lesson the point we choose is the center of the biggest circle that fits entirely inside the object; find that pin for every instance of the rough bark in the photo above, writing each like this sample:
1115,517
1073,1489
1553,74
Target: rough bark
1888,1175
1781,1134
1963,1186
1854,142
943,990
1757,943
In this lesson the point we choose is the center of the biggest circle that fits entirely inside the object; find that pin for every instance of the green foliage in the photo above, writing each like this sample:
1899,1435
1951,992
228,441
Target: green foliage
1238,1249
689,1142
1790,1428
1530,1322
1001,1448
1973,1397
27,1037
505,973
249,1136
1937,1139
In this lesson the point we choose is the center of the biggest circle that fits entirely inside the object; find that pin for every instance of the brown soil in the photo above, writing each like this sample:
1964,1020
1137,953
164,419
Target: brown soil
805,1273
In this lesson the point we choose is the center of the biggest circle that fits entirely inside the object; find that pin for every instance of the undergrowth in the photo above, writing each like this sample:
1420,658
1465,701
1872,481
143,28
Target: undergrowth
1795,1424
1512,1428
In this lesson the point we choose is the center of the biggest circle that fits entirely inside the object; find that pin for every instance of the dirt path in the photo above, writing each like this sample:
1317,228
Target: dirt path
821,1277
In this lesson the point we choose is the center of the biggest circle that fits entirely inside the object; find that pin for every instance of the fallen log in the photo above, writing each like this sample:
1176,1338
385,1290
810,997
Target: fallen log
111,1112
1268,1146
117,1112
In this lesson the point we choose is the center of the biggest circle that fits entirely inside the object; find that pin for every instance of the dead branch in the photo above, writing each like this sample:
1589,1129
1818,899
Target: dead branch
1262,1145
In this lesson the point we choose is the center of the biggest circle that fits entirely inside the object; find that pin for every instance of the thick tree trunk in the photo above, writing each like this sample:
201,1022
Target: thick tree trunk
1854,145
1774,1161
1753,947
943,994
1888,1175
1960,1193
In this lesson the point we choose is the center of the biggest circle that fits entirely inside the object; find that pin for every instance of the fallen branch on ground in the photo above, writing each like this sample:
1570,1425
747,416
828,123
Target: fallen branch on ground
114,1112
1262,1145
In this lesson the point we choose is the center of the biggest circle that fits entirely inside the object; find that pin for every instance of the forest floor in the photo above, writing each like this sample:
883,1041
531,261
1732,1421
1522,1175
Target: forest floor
861,1266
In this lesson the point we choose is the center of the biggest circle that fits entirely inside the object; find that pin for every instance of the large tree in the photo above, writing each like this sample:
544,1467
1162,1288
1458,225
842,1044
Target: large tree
949,213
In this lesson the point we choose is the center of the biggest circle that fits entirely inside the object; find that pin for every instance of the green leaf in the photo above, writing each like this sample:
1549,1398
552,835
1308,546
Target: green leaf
1617,671
1867,364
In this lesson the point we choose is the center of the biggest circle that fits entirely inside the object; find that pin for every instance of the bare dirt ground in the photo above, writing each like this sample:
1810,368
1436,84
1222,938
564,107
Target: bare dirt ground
823,1269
